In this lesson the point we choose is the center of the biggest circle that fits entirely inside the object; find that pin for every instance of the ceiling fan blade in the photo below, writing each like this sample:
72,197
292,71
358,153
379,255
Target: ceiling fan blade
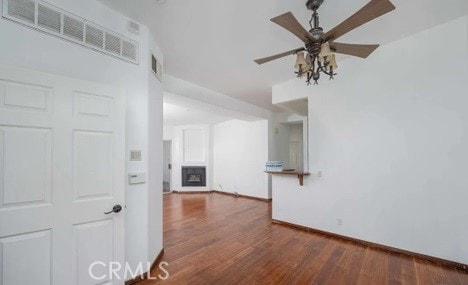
356,50
290,23
373,9
270,58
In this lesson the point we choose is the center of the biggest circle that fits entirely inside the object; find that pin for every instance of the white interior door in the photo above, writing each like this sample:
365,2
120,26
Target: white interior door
62,155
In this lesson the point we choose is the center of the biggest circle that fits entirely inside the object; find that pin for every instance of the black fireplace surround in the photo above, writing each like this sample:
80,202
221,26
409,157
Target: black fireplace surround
193,176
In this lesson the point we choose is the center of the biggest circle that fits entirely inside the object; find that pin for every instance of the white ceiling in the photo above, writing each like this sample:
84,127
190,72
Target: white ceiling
181,110
213,43
175,115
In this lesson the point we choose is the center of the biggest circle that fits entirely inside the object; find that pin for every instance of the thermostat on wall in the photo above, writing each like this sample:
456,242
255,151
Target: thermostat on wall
136,178
135,155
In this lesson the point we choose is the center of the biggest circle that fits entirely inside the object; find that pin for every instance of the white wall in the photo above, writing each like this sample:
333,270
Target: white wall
390,135
155,156
239,155
168,133
24,47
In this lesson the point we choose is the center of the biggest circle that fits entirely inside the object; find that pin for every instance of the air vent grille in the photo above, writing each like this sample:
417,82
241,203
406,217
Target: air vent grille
53,20
129,50
23,10
156,66
94,36
73,28
133,28
112,43
49,19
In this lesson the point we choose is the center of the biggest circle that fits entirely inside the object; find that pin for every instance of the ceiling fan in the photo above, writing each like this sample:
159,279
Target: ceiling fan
317,55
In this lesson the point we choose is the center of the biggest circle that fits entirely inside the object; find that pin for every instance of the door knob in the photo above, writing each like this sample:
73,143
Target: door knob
115,209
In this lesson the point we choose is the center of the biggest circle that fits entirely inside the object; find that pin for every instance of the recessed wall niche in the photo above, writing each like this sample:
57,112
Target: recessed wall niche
194,145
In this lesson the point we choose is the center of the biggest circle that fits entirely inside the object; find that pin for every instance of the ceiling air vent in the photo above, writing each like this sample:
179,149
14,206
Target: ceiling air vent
94,36
156,66
133,28
73,28
113,43
49,19
129,50
55,21
23,10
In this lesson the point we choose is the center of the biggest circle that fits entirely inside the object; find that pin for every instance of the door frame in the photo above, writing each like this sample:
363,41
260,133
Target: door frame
172,165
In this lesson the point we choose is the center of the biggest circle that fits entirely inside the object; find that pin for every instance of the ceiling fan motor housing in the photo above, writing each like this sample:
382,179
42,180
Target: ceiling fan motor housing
317,33
314,4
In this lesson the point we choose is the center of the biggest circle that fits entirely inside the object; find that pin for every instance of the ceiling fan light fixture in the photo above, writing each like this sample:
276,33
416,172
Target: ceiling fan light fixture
325,51
317,56
332,65
301,62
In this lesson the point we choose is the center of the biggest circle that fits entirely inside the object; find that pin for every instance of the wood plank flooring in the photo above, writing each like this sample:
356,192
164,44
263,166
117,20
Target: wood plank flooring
218,239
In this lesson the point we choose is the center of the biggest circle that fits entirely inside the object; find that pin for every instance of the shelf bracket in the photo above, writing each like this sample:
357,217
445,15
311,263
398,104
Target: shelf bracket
301,179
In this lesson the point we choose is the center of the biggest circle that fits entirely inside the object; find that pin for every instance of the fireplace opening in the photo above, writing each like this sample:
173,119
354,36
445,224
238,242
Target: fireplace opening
193,176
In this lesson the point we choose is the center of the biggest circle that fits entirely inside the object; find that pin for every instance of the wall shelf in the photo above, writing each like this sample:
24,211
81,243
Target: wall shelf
300,175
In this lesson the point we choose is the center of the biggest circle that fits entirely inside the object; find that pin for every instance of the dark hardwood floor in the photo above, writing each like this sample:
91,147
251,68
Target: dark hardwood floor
218,239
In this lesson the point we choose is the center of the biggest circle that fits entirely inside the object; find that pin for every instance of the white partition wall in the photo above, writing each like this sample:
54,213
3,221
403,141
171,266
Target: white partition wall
240,151
390,144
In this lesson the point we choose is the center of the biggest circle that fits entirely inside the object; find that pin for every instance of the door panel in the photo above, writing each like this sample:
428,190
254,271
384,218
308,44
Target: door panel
86,250
25,152
93,105
19,266
92,164
25,97
62,159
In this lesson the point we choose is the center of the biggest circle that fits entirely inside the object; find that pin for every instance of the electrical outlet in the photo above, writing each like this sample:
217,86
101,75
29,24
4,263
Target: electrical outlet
319,174
339,221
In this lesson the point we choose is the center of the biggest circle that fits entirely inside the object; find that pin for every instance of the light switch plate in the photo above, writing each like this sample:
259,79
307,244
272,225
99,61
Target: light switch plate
136,178
135,155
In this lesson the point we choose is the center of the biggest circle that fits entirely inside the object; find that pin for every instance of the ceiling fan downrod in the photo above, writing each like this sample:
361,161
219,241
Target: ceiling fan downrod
315,61
315,30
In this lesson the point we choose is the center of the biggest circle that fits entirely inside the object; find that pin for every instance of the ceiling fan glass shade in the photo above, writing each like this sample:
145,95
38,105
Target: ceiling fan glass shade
300,61
325,50
332,63
324,59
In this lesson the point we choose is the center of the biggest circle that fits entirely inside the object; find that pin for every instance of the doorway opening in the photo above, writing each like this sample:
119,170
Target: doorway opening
296,146
292,141
167,166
